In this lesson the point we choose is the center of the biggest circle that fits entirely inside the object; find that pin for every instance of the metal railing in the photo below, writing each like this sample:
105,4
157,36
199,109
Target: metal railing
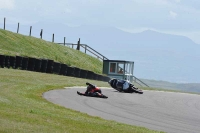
86,49
139,82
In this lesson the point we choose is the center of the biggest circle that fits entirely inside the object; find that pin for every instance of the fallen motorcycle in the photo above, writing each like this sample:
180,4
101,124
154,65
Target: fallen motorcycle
124,86
92,91
91,95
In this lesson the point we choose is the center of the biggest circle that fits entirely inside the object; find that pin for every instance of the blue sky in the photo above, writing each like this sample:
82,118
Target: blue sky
179,17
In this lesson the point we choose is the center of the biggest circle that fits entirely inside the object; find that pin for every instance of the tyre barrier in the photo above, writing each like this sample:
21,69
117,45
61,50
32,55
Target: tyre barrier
38,63
104,78
77,72
90,75
7,61
25,63
56,67
50,66
107,79
95,76
44,65
83,73
2,61
12,61
100,78
18,62
31,64
63,69
70,71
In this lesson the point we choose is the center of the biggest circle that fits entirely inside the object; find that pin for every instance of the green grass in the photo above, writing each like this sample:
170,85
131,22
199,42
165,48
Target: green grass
17,44
23,109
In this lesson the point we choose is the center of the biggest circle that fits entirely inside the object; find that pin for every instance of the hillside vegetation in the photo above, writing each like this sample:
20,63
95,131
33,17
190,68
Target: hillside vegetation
17,44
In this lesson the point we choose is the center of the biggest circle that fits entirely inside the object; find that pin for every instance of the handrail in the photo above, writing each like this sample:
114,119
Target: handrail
85,46
140,81
92,52
96,52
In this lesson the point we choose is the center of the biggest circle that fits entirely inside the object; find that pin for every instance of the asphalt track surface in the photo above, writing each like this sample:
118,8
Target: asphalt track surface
162,111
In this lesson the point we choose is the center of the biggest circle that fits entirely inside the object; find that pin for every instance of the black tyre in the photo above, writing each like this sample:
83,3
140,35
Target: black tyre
56,67
95,76
7,61
12,61
50,66
63,69
31,64
2,61
83,73
18,63
24,63
113,83
70,71
44,65
100,77
77,72
90,75
38,63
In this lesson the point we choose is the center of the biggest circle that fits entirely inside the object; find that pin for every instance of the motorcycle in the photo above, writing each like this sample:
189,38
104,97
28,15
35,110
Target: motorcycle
90,92
124,86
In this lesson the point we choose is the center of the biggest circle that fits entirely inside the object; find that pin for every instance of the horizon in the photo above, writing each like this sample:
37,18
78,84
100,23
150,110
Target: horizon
77,26
166,16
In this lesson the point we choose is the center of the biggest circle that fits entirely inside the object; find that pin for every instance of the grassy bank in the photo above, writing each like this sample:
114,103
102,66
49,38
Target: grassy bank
17,44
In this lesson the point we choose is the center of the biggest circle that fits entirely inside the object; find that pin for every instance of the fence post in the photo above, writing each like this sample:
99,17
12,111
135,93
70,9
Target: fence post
53,38
64,41
78,45
4,24
41,33
18,28
30,30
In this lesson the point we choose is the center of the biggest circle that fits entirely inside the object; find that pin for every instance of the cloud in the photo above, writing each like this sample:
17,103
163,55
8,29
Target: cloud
7,4
173,14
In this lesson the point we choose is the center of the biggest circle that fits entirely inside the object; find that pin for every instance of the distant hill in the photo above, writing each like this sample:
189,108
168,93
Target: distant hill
156,55
184,87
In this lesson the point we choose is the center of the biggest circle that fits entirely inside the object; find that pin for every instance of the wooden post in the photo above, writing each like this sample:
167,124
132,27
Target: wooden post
53,38
30,30
64,41
78,45
4,24
41,33
18,28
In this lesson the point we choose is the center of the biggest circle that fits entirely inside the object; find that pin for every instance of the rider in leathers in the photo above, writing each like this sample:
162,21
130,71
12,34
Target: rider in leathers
92,90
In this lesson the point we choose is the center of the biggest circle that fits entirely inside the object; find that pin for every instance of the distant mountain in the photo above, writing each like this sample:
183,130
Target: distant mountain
156,55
